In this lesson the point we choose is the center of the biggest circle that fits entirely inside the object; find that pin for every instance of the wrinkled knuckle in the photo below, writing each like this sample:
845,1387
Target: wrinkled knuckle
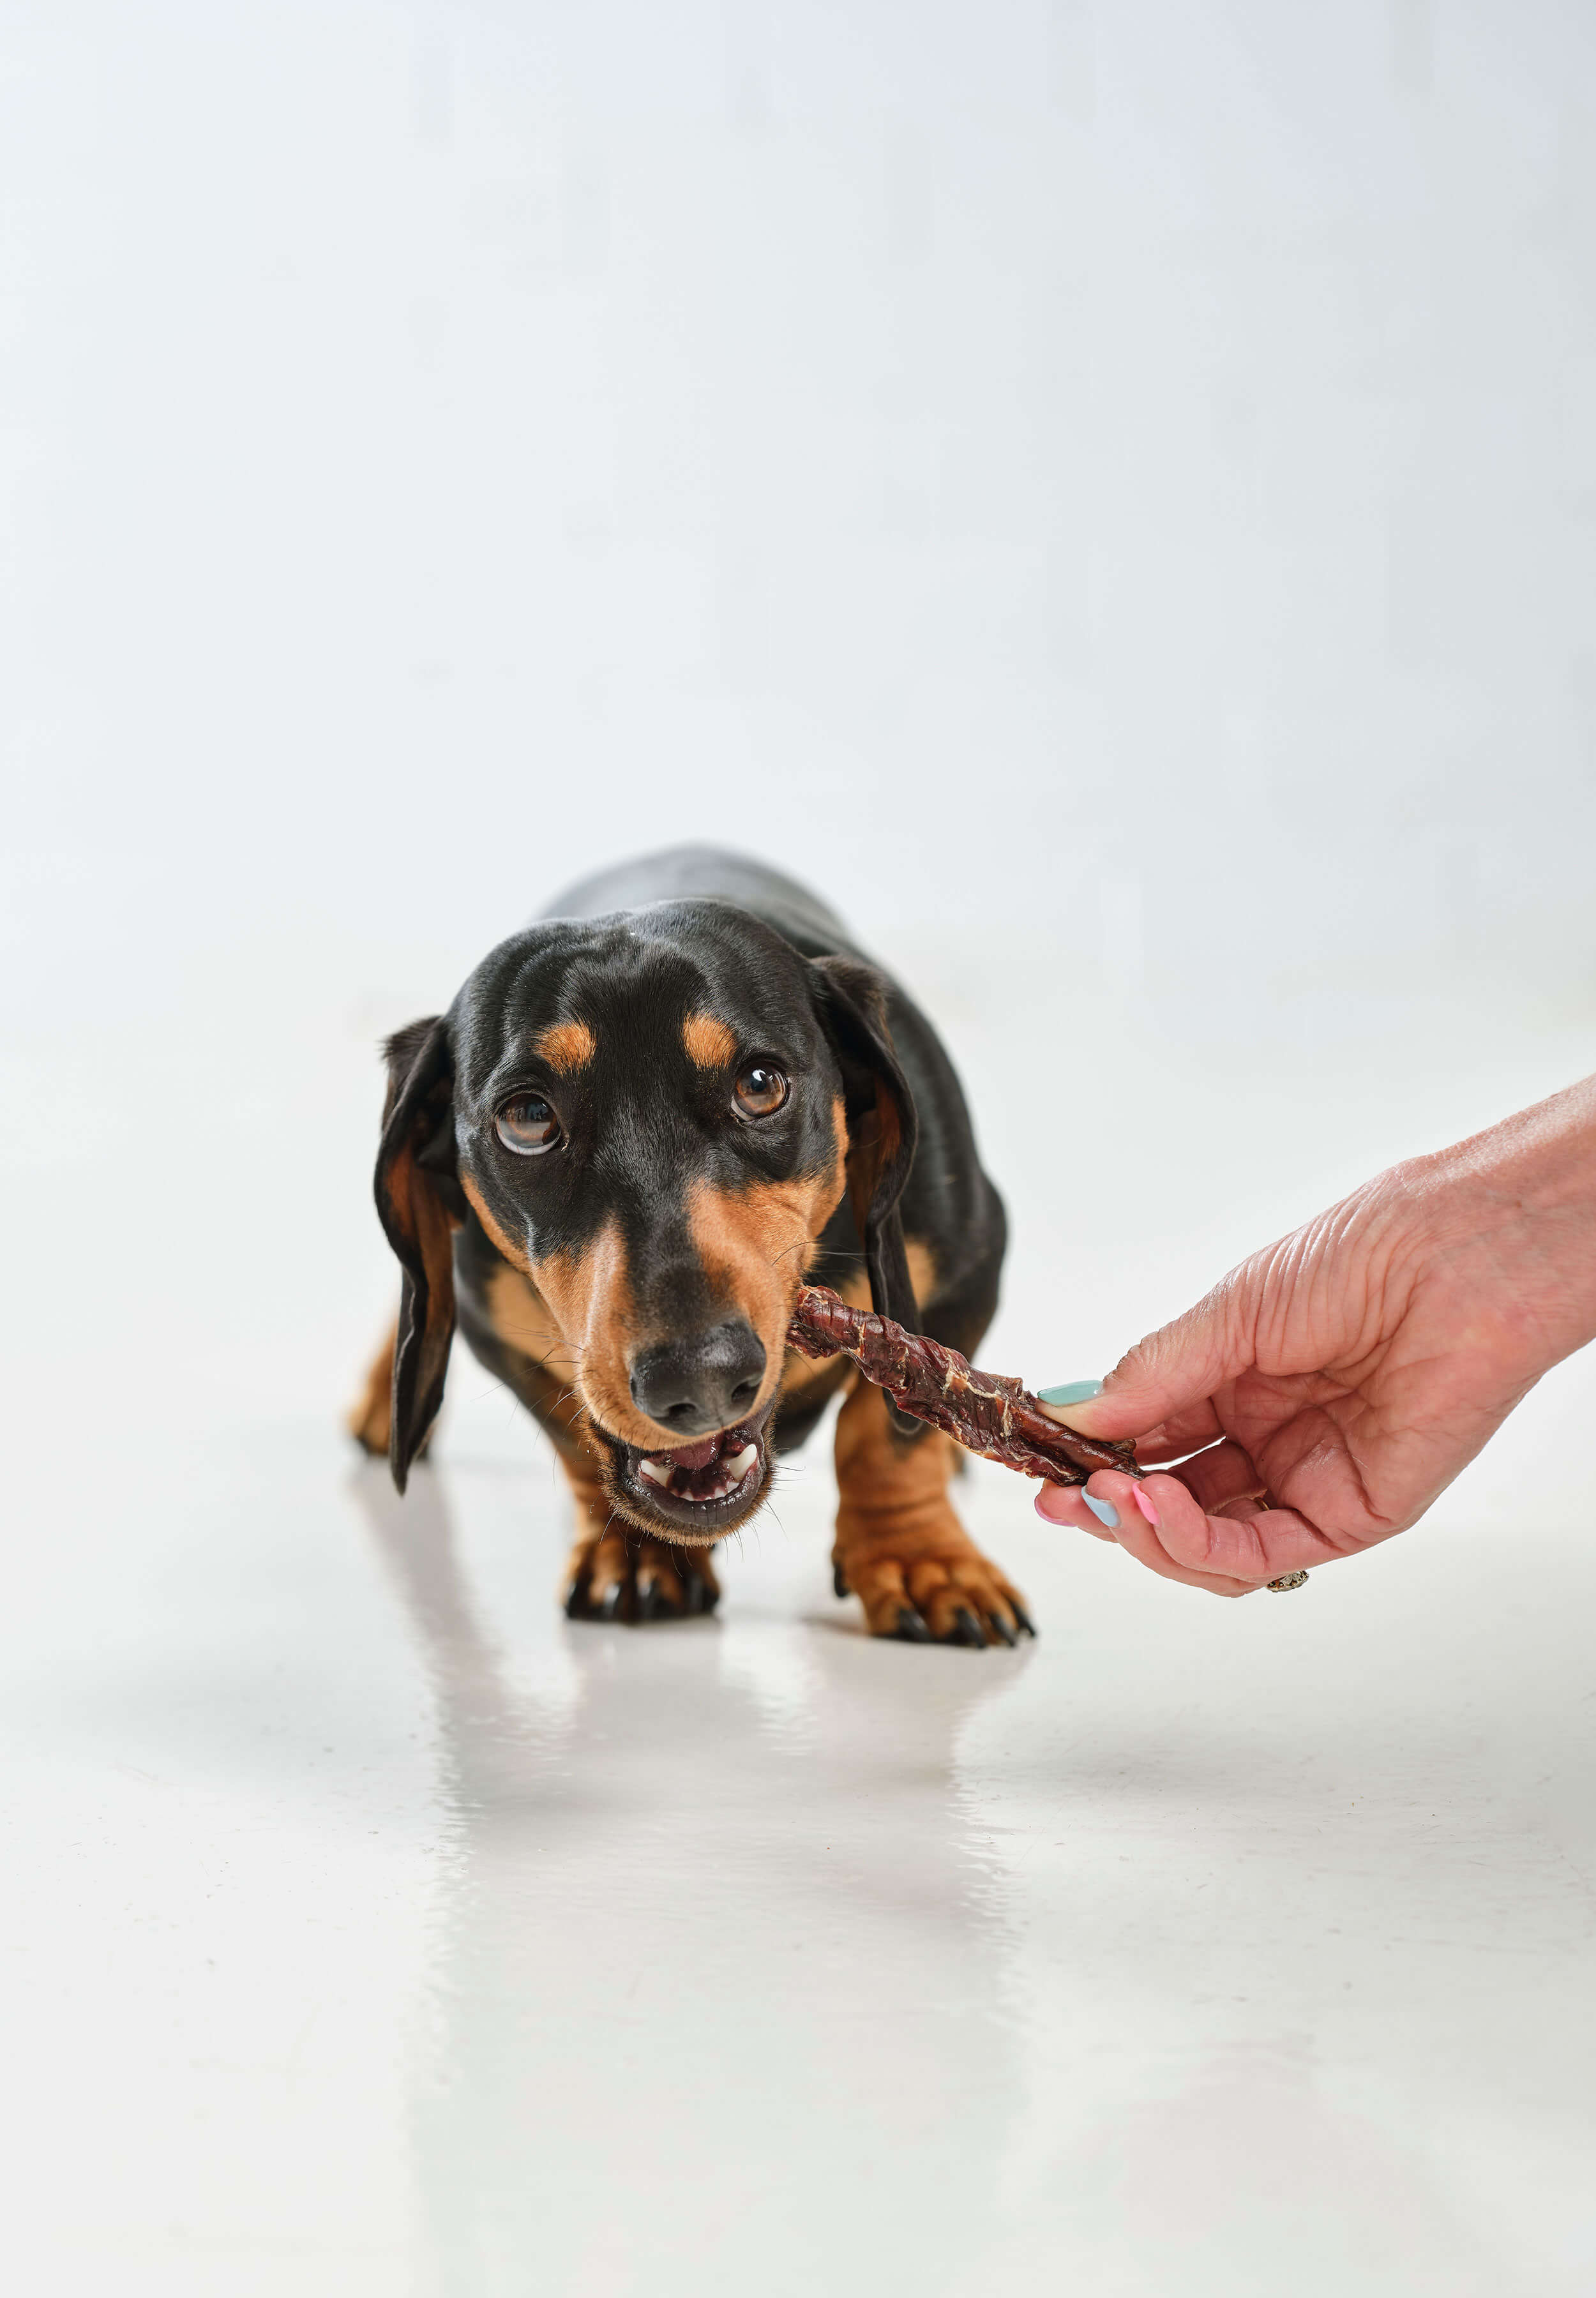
1138,1362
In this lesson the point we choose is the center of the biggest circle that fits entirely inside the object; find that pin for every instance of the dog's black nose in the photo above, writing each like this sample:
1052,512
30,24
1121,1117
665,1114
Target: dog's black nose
709,1381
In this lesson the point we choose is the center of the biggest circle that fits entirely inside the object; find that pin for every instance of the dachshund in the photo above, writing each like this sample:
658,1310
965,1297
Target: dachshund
642,1125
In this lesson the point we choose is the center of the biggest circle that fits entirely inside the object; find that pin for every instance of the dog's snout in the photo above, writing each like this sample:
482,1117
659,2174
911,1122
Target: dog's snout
704,1381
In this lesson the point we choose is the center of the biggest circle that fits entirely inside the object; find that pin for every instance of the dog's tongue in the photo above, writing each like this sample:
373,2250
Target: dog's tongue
694,1456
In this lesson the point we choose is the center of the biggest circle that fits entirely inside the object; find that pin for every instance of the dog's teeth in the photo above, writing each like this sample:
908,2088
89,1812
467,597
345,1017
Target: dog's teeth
732,1473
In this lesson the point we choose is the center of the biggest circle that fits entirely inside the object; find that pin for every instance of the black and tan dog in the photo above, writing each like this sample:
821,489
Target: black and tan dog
639,1127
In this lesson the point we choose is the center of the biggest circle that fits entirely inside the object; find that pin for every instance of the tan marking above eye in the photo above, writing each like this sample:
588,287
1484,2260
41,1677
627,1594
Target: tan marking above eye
566,1047
708,1043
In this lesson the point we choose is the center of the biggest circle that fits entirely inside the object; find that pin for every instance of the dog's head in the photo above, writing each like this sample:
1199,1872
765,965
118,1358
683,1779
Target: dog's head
653,1116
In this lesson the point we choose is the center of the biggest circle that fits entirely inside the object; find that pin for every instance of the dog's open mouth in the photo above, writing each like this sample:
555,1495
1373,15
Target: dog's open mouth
698,1489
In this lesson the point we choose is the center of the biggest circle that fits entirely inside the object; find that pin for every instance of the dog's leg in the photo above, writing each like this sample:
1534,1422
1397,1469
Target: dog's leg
621,1573
901,1548
614,1571
371,1416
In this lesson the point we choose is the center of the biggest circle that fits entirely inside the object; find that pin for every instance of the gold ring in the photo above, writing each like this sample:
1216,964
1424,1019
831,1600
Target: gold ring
1288,1581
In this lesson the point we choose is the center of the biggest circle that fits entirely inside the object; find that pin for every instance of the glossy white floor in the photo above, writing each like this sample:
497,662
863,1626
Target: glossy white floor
370,1929
1106,493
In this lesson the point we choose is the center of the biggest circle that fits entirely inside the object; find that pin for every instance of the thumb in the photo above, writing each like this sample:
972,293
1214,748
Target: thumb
1168,1372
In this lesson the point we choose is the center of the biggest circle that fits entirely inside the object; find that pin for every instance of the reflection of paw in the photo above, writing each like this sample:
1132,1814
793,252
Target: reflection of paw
627,1575
952,1596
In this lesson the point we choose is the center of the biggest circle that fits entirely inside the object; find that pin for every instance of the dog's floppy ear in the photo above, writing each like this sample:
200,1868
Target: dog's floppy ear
417,1192
882,1127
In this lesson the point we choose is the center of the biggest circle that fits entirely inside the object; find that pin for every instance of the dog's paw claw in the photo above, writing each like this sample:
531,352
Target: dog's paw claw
642,1581
951,1592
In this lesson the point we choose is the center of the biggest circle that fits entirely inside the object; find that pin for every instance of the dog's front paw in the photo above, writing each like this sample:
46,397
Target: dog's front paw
618,1574
949,1593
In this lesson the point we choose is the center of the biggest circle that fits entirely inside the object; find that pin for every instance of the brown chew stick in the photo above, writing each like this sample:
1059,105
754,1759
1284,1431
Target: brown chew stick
987,1412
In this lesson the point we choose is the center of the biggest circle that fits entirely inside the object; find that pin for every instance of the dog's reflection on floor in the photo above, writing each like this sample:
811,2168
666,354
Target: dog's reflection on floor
714,1992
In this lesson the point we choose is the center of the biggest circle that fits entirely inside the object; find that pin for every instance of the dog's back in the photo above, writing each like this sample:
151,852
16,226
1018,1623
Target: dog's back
681,874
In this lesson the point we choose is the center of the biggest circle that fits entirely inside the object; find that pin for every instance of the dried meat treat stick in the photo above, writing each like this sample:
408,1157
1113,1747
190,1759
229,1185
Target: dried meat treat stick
987,1412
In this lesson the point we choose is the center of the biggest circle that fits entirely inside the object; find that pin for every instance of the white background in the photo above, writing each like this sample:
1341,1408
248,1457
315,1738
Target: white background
1106,493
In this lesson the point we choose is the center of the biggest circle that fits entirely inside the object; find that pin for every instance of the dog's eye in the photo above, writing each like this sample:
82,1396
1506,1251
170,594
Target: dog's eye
527,1125
760,1090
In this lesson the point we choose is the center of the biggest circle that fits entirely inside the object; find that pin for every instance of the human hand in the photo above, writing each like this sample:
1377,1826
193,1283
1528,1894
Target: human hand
1327,1390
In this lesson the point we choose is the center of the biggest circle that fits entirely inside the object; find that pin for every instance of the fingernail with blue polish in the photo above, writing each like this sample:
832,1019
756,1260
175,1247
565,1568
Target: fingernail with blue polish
1105,1511
1073,1392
